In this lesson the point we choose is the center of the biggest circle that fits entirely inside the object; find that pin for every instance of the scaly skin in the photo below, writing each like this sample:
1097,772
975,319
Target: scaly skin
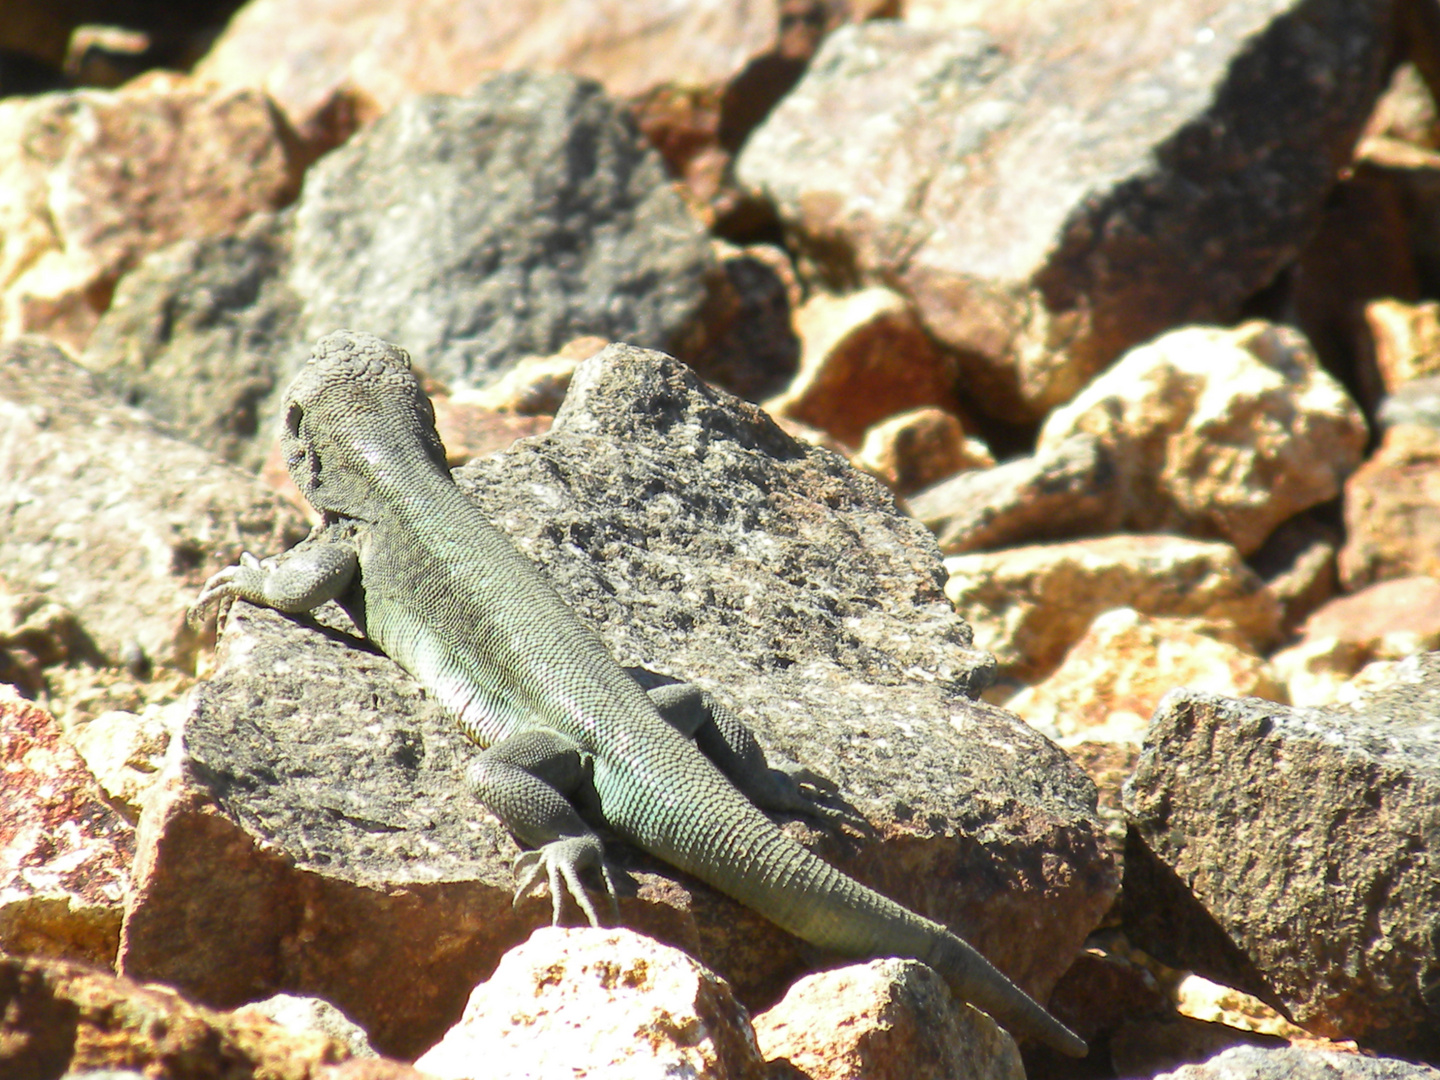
450,599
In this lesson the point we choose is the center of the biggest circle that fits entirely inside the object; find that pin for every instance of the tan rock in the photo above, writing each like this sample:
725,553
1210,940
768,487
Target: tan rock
62,1016
596,1002
64,854
864,357
92,180
1029,605
1392,510
1220,433
914,449
1110,681
1406,340
885,1020
125,751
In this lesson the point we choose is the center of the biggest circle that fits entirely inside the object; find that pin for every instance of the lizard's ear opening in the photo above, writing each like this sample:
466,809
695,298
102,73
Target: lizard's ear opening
292,420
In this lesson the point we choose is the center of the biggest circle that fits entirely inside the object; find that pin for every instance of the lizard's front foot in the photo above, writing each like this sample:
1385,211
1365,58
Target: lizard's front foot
232,581
561,862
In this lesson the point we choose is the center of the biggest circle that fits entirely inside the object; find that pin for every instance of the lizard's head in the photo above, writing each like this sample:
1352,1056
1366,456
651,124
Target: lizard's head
354,420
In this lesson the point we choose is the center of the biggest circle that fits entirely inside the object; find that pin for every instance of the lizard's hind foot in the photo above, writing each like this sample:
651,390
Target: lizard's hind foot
559,864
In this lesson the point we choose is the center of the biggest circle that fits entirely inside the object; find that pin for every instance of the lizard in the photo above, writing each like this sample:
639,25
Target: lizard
568,737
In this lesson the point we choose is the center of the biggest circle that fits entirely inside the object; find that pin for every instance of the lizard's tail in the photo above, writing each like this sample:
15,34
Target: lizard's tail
817,902
979,982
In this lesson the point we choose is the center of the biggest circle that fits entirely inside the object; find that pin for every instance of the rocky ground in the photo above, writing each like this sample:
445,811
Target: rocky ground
1041,443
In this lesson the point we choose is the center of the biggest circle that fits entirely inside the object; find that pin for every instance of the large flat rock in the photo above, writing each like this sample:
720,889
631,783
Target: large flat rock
320,839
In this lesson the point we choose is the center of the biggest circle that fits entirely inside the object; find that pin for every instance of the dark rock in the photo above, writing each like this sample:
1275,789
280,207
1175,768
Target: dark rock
201,333
1306,836
475,230
1297,562
705,544
1067,492
1080,180
112,516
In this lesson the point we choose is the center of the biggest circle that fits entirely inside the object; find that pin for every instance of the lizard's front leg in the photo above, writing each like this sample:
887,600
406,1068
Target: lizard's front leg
318,569
527,781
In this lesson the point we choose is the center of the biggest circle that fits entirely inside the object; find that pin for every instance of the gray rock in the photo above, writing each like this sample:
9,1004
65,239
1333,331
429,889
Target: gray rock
478,229
1294,851
1067,492
1087,176
1299,1063
112,516
704,544
202,332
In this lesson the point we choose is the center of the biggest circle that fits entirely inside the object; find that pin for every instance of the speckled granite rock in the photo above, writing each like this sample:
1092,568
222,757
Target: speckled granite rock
1309,838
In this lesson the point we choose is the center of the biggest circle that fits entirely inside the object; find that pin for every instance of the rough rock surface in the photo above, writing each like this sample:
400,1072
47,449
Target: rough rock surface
506,222
886,1020
704,543
1112,678
864,357
1299,1063
200,333
64,854
62,1018
1077,180
1308,838
1219,433
116,519
1069,489
1392,510
1029,605
92,180
572,1002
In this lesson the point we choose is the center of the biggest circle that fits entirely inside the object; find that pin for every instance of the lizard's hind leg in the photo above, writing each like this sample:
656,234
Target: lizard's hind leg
527,781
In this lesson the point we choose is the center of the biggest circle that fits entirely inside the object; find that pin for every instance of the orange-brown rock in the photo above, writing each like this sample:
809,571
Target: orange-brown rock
1359,635
1392,510
864,357
380,51
597,1002
915,449
63,1018
65,855
1029,605
92,180
1405,339
885,1020
1112,679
